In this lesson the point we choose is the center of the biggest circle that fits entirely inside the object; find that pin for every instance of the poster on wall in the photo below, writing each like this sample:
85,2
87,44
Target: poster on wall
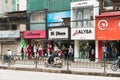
83,33
58,33
55,19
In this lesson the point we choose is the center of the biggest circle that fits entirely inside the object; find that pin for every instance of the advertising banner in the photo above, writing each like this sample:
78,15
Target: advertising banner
58,33
83,33
55,19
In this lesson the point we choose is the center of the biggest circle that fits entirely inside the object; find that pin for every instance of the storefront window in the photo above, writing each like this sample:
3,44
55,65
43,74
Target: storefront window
87,49
113,49
40,42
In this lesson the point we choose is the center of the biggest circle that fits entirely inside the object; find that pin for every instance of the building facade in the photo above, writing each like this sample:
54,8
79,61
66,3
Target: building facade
45,21
12,23
83,28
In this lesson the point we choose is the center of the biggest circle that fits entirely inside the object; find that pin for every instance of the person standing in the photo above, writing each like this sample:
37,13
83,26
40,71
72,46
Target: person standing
28,52
22,52
40,51
35,49
55,48
9,52
32,52
70,53
63,51
49,50
104,51
114,52
87,50
92,55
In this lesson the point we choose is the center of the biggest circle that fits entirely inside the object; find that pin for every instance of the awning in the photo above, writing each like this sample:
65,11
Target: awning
108,14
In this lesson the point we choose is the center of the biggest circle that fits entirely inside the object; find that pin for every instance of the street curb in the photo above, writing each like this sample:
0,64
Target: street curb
61,71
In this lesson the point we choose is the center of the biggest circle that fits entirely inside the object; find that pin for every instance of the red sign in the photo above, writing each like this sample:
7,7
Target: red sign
108,27
34,34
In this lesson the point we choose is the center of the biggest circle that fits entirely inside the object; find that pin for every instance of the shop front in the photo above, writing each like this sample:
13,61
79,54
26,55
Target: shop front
83,29
58,25
84,42
60,37
34,37
9,39
107,33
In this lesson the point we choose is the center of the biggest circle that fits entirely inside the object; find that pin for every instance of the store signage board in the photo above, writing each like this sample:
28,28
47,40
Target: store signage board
58,33
10,34
83,33
84,3
108,28
34,34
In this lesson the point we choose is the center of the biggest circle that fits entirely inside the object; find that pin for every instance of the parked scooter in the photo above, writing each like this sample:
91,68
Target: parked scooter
7,59
116,65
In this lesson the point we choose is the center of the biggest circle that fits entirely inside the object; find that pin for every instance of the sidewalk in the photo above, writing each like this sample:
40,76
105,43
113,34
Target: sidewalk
78,71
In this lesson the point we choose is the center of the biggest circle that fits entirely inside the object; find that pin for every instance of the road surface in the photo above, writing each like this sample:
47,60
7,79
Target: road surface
29,75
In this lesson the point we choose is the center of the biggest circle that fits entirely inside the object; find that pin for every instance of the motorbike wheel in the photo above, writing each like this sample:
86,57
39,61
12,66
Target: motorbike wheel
12,62
114,67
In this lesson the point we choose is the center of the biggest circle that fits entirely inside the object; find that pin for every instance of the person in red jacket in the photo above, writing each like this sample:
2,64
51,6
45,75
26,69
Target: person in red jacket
28,52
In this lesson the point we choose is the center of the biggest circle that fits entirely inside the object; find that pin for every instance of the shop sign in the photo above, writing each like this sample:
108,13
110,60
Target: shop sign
108,29
10,34
58,33
83,33
34,34
84,3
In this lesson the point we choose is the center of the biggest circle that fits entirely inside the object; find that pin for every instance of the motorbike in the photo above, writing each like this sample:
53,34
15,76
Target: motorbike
115,65
57,63
7,59
56,60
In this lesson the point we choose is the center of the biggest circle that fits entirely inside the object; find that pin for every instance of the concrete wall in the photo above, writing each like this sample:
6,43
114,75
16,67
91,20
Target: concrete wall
6,7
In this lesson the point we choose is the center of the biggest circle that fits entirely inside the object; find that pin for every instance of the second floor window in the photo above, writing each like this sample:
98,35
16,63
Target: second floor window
83,17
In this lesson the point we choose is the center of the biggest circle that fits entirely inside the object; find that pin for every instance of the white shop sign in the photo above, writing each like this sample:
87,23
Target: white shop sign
83,33
84,3
58,33
10,34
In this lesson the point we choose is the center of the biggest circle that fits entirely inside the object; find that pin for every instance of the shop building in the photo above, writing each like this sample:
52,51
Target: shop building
13,21
36,32
107,32
83,28
59,29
